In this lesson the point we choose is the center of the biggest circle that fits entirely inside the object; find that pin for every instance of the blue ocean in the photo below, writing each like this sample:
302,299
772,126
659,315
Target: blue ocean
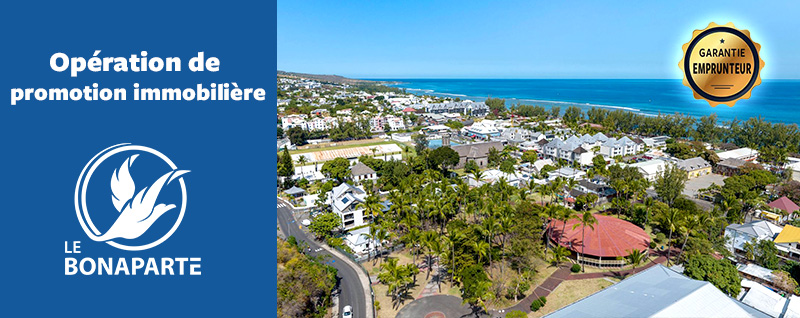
773,100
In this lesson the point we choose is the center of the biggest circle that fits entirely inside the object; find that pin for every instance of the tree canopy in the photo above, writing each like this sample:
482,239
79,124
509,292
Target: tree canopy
721,273
338,169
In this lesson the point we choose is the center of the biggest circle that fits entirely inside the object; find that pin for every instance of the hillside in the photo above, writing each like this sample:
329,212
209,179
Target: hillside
333,79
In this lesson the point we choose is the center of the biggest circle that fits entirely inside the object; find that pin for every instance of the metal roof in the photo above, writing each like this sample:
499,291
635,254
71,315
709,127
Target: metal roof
658,292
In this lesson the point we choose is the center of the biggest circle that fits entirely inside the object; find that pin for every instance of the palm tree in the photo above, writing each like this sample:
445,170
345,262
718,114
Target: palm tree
382,236
372,236
648,203
392,276
635,257
749,249
455,236
302,161
571,183
478,176
690,224
552,213
586,219
563,215
489,228
481,249
412,240
670,220
438,249
371,205
559,254
427,238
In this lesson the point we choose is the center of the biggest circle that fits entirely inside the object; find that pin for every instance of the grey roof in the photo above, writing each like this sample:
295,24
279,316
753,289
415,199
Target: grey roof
624,141
760,229
732,163
590,185
361,169
294,190
345,195
659,292
477,150
692,164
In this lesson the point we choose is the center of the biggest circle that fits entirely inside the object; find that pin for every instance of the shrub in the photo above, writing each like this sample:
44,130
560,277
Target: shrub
575,268
538,303
660,237
377,305
516,314
652,244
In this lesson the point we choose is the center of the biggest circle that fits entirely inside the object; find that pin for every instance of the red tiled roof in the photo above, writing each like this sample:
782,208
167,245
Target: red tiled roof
409,109
611,237
784,204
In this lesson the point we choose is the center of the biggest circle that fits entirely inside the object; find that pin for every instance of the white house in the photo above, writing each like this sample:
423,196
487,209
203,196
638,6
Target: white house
566,172
359,242
344,199
620,147
360,172
651,168
571,150
738,234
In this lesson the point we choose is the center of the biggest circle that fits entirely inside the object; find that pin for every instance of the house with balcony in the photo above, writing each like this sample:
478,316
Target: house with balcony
620,147
570,150
344,201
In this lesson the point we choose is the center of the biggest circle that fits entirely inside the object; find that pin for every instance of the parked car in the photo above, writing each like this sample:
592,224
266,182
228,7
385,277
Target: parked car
347,312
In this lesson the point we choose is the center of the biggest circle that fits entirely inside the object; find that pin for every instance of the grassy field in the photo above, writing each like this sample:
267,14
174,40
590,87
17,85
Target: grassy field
569,292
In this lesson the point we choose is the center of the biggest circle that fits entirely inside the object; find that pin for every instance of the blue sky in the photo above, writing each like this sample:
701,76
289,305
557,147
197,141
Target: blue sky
520,39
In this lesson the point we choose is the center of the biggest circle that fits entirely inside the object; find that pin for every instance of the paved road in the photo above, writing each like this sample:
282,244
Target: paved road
349,285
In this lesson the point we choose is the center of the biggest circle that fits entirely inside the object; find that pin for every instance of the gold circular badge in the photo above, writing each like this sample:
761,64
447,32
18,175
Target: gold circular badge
721,64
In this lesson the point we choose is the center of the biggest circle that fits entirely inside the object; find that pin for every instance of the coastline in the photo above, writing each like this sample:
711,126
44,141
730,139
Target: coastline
650,97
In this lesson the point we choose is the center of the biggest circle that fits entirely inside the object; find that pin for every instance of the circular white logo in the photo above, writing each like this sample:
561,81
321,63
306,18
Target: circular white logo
133,209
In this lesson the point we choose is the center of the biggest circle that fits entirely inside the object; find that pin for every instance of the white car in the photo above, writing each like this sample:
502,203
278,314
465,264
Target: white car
347,312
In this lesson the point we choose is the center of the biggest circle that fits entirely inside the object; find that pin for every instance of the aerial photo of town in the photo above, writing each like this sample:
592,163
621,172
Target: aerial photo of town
408,198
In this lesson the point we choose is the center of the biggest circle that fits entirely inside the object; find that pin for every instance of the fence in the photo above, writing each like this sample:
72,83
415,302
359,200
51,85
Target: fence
371,290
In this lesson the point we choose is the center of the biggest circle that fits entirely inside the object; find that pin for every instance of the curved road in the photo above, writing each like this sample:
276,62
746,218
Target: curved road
350,289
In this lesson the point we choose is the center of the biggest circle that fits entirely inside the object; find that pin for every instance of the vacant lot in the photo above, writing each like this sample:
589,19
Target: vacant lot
702,182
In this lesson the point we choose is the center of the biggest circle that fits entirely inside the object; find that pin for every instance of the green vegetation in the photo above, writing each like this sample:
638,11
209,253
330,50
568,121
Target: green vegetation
324,224
496,105
575,268
722,273
338,169
538,303
304,283
457,125
516,314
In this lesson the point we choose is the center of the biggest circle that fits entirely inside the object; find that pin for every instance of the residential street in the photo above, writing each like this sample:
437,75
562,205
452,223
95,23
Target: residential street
351,291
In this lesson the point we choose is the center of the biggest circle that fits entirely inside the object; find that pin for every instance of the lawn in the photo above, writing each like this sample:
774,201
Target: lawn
569,292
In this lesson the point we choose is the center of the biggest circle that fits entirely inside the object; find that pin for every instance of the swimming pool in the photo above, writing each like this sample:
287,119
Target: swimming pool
436,143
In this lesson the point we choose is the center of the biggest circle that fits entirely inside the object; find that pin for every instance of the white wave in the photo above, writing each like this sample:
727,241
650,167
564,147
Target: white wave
580,104
420,90
449,94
